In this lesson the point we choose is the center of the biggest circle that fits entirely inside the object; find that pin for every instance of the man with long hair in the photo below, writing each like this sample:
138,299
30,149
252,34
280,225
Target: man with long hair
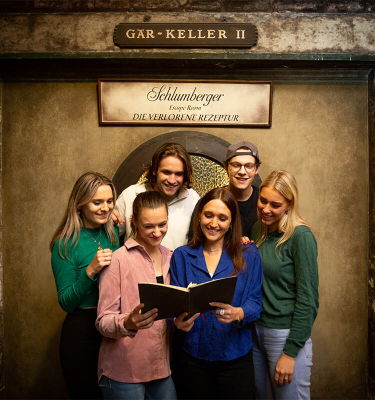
171,174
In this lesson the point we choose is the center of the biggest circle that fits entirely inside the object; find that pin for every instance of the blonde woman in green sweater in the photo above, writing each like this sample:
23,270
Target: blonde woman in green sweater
81,247
282,351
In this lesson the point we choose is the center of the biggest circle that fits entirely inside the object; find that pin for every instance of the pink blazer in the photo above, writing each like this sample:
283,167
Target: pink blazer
131,356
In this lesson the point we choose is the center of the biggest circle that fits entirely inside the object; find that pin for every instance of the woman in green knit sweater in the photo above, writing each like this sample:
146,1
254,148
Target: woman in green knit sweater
81,247
282,350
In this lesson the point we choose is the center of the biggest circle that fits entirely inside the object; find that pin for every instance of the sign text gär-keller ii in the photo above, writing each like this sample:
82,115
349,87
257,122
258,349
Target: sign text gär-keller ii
182,33
223,35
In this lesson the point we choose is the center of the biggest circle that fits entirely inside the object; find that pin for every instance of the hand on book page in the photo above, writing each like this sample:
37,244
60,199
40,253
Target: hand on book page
135,320
226,313
185,325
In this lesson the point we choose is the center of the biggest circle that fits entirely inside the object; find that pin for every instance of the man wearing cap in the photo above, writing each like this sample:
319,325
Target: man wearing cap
242,164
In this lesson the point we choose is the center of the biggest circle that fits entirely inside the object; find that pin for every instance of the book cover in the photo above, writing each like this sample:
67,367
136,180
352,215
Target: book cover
172,301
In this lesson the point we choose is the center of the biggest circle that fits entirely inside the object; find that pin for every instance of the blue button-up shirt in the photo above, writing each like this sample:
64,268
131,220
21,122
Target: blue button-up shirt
210,339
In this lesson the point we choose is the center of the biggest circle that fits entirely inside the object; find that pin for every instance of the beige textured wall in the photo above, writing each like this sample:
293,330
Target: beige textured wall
51,136
280,31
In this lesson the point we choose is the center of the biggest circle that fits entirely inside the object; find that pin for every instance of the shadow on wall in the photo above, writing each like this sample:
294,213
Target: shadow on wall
45,387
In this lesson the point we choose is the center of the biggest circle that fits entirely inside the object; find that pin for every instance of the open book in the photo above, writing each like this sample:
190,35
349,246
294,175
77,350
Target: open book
172,301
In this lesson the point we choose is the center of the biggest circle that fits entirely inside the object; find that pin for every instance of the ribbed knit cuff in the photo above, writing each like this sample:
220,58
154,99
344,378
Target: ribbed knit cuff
291,349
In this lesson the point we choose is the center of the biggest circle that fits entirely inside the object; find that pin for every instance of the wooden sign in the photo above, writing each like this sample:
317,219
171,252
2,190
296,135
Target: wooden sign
179,102
214,35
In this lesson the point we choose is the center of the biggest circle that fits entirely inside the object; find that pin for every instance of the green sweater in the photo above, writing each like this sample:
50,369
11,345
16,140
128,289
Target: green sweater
290,285
74,287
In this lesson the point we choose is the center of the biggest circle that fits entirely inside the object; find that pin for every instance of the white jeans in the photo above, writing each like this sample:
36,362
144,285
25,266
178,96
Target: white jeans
268,347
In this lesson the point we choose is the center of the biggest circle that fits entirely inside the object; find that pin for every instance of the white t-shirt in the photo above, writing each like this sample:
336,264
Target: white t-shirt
180,210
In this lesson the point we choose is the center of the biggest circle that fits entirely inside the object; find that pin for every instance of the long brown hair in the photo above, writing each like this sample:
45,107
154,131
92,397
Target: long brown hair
232,238
83,191
151,199
173,150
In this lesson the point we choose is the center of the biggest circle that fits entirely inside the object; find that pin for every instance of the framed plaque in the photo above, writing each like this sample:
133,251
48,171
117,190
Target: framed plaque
193,35
184,102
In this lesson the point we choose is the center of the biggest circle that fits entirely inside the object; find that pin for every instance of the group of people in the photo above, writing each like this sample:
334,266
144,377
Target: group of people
258,346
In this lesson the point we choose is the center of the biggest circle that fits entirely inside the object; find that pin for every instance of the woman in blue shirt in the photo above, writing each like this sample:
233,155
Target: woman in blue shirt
216,360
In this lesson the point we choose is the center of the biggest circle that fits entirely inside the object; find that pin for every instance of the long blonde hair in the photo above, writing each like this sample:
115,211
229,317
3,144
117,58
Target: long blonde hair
83,191
286,185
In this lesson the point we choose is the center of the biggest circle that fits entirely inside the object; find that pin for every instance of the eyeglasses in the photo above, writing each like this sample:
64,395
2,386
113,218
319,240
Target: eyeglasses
237,167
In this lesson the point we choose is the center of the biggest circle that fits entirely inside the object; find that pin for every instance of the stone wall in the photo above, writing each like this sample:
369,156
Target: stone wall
271,6
318,36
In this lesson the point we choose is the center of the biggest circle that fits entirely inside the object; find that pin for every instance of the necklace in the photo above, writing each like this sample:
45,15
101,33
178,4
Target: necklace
96,239
154,259
212,251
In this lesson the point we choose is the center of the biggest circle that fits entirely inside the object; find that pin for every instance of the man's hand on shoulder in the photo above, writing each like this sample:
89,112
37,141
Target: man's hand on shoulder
116,218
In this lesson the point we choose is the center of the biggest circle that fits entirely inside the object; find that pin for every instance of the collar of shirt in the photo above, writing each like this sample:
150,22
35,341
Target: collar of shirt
131,244
183,193
199,261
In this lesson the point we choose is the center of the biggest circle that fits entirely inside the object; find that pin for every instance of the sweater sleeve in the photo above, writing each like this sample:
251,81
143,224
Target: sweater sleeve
121,208
70,289
255,232
110,321
305,254
191,225
177,277
177,267
252,307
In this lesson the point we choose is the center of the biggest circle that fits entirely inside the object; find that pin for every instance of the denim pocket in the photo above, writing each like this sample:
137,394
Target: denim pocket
307,349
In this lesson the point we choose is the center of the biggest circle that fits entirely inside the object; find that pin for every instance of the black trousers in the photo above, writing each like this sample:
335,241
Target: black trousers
217,379
79,351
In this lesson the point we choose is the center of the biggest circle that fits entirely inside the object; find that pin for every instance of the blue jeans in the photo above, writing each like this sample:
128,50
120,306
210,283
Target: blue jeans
268,347
157,389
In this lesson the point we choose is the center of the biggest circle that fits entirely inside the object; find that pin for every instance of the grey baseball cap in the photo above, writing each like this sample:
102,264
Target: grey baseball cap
233,150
